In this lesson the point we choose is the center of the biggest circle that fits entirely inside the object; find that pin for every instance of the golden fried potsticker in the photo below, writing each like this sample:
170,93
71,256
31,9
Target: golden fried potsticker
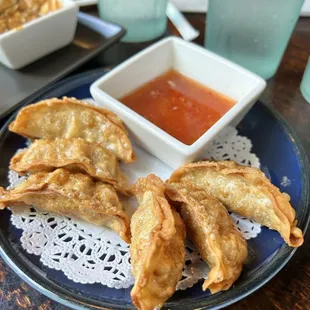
72,118
211,229
76,155
157,245
70,194
245,191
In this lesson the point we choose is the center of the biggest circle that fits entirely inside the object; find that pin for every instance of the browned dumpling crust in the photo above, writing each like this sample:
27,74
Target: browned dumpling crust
76,155
72,195
71,118
157,245
245,191
211,229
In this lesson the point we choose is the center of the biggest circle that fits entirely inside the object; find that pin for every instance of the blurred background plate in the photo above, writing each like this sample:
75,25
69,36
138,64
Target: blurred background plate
281,156
92,37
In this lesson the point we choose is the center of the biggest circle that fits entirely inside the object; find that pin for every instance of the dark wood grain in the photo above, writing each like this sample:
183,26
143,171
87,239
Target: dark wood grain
288,290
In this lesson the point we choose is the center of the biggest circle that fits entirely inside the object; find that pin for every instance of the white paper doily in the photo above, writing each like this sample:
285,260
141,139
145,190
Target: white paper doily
91,254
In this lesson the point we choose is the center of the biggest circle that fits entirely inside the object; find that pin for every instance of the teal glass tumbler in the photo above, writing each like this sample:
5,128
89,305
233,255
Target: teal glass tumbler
252,33
143,20
305,83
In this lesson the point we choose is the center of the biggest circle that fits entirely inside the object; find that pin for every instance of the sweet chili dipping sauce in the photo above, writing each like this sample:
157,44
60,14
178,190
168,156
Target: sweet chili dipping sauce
180,106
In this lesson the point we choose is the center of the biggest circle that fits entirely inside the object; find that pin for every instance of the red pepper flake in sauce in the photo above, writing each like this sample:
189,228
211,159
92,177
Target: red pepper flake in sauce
180,106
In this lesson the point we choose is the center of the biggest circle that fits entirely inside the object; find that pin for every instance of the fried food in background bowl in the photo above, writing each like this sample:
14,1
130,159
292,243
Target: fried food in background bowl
31,29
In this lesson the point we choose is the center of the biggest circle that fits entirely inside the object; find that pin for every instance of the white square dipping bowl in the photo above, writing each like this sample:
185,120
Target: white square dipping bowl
192,61
39,37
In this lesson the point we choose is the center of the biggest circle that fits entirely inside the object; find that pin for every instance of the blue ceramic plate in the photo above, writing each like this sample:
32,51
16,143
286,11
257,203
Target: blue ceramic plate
273,142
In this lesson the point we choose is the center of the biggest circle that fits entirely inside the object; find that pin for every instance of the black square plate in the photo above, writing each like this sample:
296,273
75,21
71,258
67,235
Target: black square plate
92,36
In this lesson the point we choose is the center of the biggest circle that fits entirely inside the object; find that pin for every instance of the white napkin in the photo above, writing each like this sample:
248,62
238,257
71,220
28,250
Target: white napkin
201,6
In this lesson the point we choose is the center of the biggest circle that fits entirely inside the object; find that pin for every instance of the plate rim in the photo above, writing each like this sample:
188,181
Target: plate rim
74,300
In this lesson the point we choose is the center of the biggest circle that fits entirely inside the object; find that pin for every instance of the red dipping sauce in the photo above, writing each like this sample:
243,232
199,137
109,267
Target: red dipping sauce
179,105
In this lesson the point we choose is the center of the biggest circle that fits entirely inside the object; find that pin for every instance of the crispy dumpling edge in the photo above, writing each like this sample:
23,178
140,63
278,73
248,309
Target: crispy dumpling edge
167,231
83,167
173,189
113,118
124,234
295,239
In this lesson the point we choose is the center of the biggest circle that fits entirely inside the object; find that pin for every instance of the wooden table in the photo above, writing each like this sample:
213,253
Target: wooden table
288,290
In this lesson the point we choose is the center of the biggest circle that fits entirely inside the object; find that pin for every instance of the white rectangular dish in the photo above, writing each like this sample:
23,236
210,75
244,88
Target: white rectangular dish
35,39
192,61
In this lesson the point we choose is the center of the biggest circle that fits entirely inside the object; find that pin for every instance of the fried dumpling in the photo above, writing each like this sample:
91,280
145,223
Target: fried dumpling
72,118
70,194
157,245
74,154
245,191
211,229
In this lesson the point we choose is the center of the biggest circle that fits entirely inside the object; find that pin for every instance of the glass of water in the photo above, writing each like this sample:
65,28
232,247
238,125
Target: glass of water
252,33
305,83
144,20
